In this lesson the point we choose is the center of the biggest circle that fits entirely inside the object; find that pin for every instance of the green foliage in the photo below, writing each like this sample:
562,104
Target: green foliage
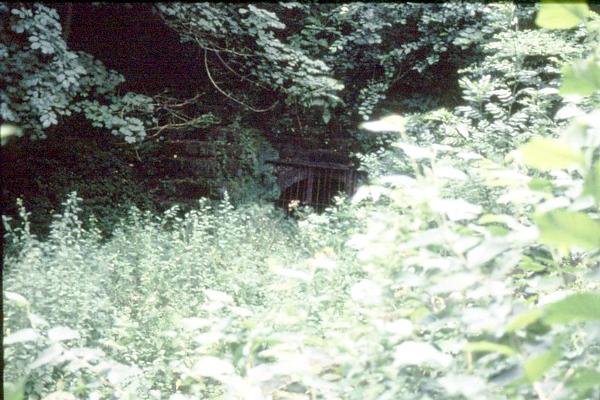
514,88
149,280
102,173
242,154
45,81
561,15
376,47
248,37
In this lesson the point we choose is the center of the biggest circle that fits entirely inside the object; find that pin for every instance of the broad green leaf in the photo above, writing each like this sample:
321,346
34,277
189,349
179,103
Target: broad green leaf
584,379
487,250
541,185
218,296
456,209
209,366
61,333
420,353
7,131
564,229
528,264
120,372
392,123
20,336
48,356
561,14
580,78
535,367
592,182
14,391
549,154
17,298
415,152
489,347
523,320
577,307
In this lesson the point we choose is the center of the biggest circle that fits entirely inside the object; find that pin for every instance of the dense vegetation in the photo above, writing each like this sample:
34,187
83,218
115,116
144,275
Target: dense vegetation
467,267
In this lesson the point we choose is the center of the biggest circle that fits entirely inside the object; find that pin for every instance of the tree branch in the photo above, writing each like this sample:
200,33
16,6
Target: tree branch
227,95
243,78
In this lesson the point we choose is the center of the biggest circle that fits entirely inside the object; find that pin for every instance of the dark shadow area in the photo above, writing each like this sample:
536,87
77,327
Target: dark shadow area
134,41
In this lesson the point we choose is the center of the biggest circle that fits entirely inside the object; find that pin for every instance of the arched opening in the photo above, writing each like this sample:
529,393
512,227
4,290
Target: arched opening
316,191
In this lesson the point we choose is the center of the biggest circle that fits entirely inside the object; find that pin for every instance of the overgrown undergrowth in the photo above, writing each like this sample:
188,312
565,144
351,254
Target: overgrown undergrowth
458,272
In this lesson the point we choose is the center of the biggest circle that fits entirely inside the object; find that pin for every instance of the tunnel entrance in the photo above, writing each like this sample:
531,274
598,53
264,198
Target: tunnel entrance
313,184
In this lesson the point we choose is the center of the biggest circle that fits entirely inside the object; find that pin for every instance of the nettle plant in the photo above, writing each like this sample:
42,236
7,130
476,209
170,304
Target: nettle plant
60,357
516,292
511,93
45,81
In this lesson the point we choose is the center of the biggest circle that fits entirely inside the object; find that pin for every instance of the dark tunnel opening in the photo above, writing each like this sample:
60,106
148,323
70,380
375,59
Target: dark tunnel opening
318,195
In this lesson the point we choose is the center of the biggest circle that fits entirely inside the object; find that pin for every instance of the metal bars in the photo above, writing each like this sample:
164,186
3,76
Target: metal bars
313,184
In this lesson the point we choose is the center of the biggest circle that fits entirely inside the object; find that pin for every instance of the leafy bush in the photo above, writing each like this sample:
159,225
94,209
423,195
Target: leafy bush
45,81
152,273
42,173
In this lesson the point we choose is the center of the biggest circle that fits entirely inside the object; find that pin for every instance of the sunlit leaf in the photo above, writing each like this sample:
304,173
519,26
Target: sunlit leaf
120,372
209,366
392,123
576,307
528,264
488,250
48,356
400,327
218,296
566,228
194,323
62,333
536,366
489,347
584,379
14,391
7,131
20,336
456,209
414,152
420,353
523,320
446,171
541,185
549,154
561,14
366,292
37,320
17,298
580,78
463,385
592,182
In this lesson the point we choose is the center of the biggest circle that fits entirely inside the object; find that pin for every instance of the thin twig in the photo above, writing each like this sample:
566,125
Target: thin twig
561,384
538,390
227,95
243,78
